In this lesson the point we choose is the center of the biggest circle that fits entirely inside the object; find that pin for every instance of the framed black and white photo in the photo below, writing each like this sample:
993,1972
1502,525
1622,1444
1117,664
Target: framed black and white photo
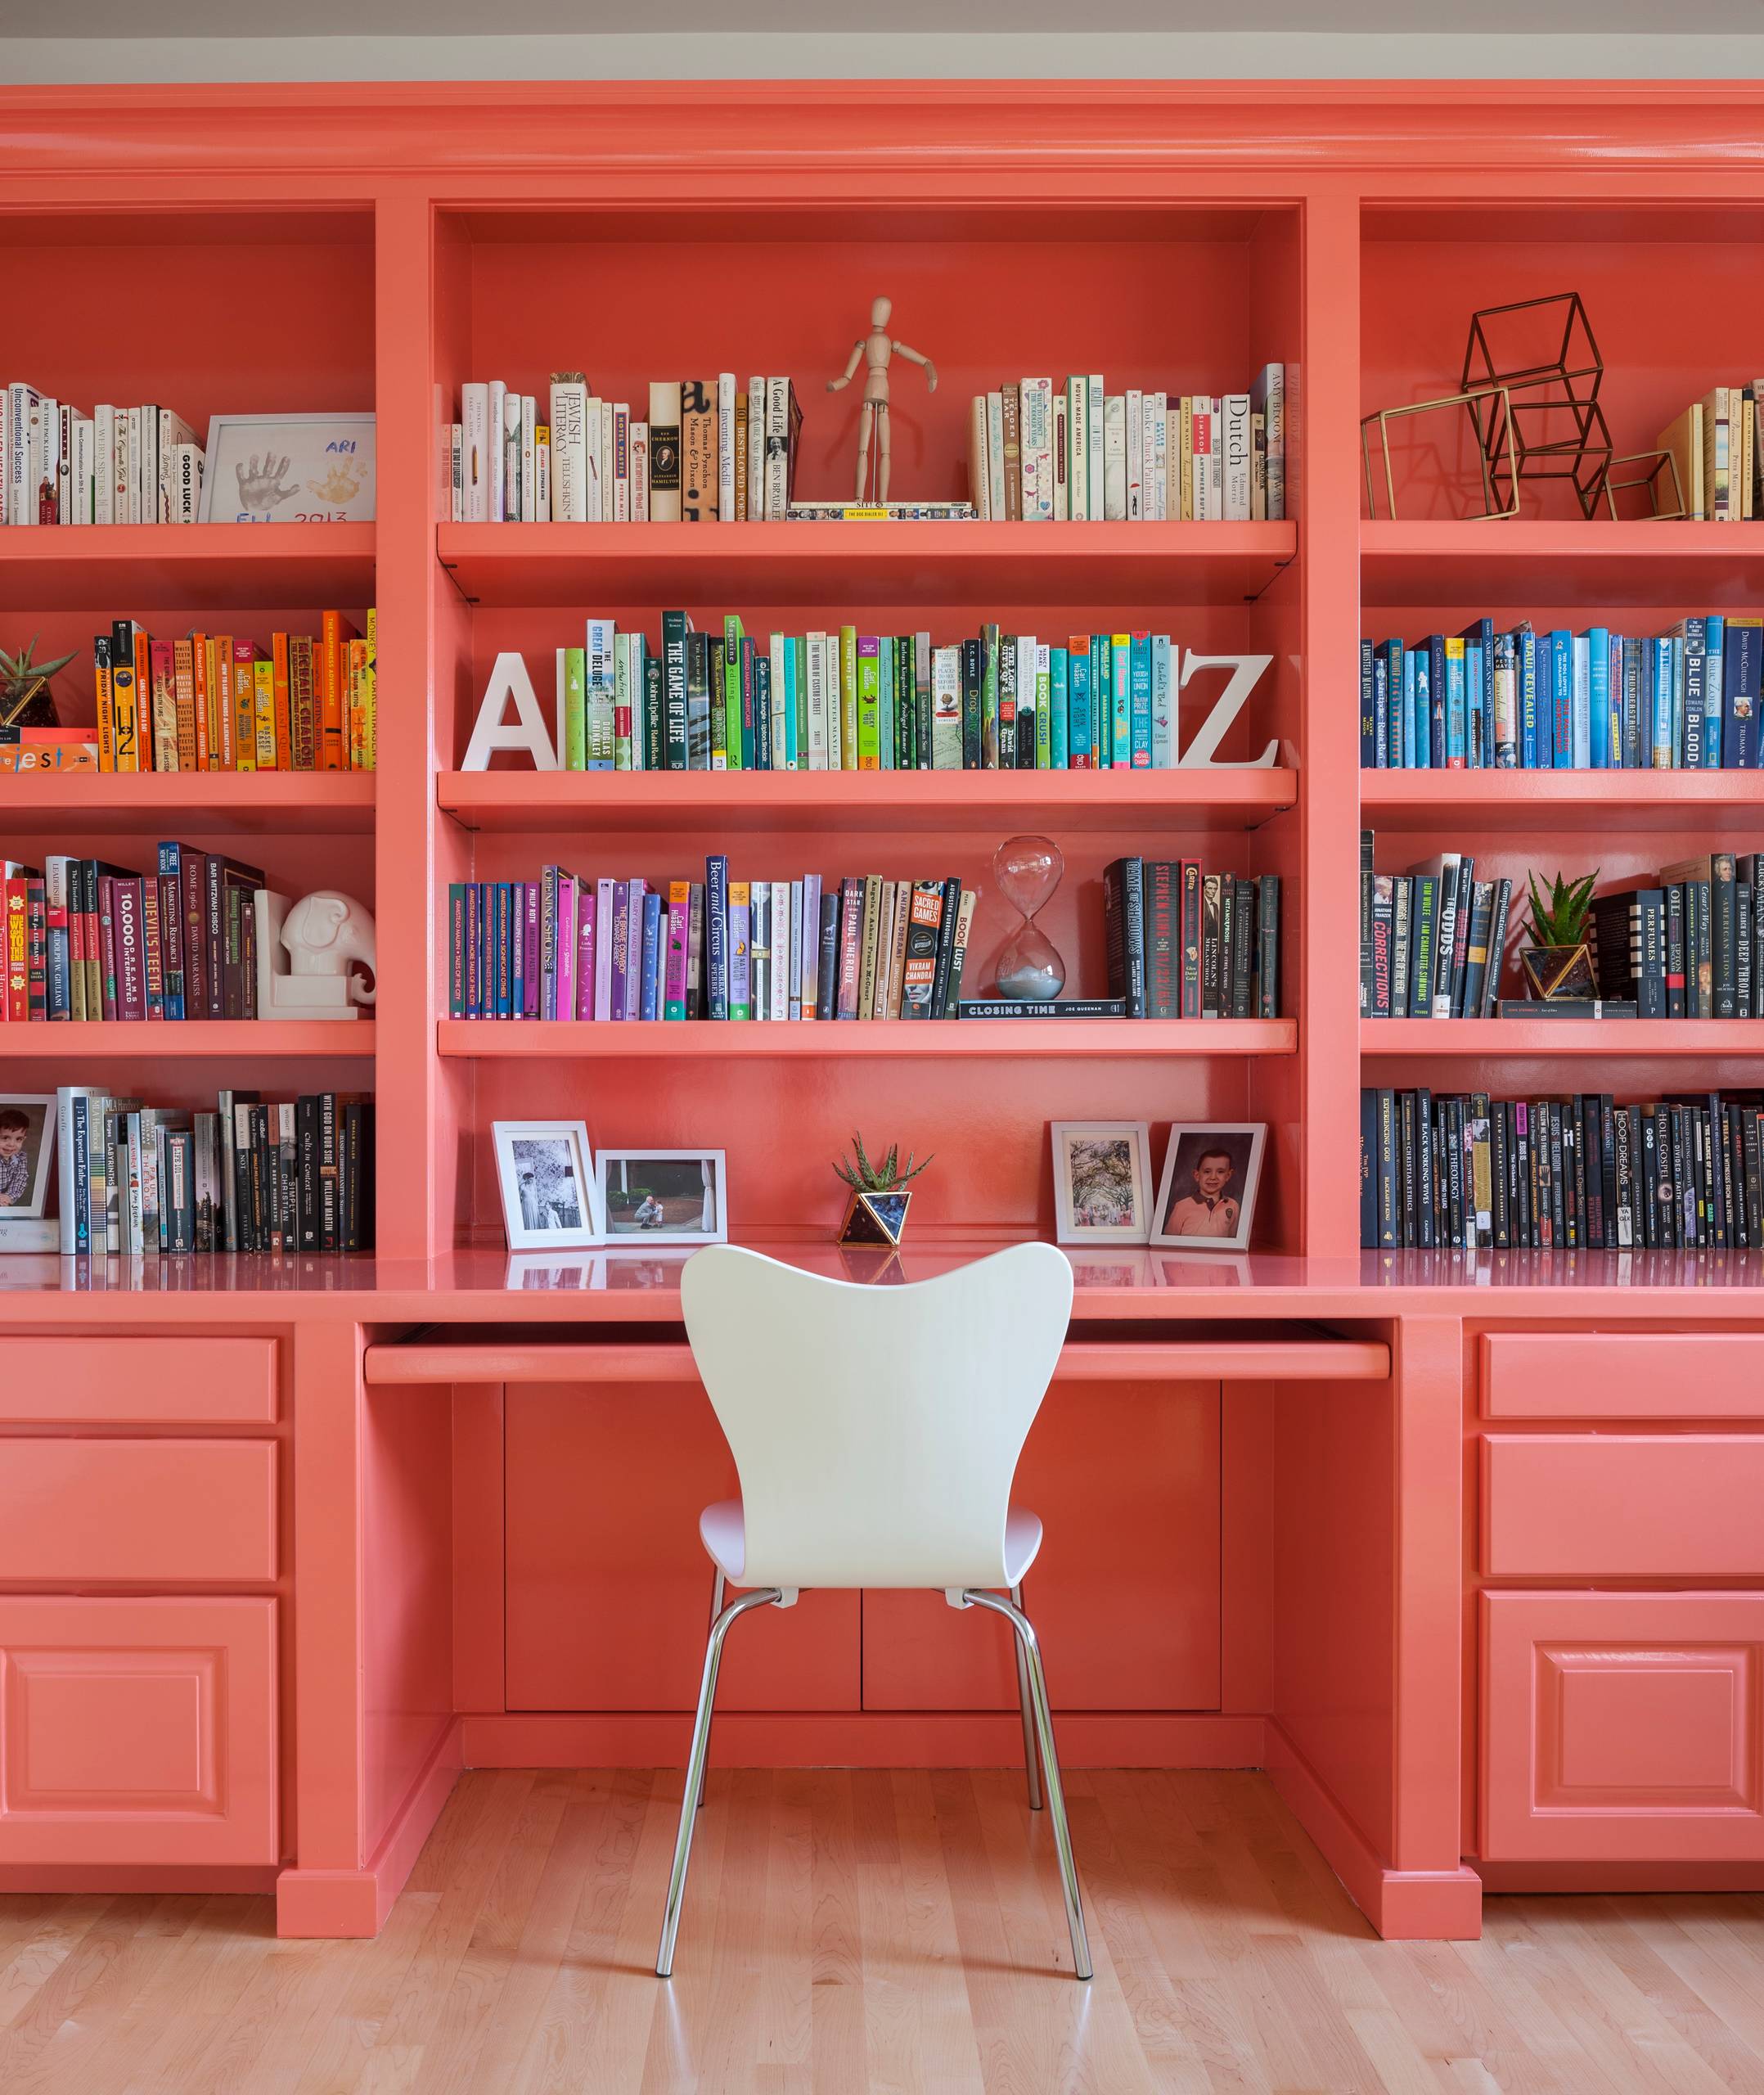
27,1144
288,469
546,1170
1207,1196
1102,1181
652,1197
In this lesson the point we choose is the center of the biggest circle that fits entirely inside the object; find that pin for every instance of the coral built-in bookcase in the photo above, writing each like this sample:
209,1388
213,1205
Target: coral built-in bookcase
1332,1487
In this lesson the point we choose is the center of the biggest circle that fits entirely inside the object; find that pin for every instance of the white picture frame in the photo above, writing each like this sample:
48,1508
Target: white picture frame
26,1155
1196,1208
325,469
538,1164
1094,1203
620,1178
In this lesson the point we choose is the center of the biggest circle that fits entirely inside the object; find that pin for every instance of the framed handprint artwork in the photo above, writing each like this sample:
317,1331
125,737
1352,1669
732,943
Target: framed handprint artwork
288,469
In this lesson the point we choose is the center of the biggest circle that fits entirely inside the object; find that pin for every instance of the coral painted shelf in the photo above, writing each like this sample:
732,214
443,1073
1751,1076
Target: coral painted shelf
1662,1040
206,567
74,1046
852,564
1006,1040
315,803
935,801
1521,561
1593,802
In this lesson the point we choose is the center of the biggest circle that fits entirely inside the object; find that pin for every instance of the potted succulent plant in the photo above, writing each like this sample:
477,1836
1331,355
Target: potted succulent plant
25,699
876,1212
1558,962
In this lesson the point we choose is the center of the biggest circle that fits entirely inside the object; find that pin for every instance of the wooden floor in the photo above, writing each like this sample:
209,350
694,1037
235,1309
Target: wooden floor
851,1932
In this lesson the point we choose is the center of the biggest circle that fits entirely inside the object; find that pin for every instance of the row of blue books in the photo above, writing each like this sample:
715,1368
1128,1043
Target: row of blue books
1686,700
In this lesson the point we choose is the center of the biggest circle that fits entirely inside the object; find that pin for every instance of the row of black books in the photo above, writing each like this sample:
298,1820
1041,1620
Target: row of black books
135,1179
1431,940
86,940
1464,1170
1184,943
1689,944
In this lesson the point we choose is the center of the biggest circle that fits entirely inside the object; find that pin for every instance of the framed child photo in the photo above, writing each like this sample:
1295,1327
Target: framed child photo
655,1198
545,1171
1102,1181
1207,1197
27,1144
288,469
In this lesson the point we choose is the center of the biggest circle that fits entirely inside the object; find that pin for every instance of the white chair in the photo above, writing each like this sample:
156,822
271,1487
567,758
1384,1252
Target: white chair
876,1431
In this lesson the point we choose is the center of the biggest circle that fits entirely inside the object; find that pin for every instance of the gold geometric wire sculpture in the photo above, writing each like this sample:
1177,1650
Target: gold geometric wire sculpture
1498,405
1650,480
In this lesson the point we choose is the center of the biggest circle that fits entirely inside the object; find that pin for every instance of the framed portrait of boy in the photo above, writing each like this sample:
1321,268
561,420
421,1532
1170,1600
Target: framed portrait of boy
653,1198
1207,1196
27,1143
1102,1181
545,1171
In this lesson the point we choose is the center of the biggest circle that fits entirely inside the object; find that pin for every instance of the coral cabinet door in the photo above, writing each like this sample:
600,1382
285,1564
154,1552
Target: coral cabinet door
137,1731
1622,1727
1125,1593
609,1587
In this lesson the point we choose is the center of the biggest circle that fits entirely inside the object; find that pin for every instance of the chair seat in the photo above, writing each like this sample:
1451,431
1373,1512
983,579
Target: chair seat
724,1535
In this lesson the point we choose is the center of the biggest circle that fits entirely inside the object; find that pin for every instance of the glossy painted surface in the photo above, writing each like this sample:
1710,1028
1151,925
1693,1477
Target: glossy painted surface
139,1381
137,1731
1635,1375
441,232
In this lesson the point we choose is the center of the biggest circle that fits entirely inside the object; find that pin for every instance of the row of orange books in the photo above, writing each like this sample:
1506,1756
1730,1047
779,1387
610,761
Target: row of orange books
209,702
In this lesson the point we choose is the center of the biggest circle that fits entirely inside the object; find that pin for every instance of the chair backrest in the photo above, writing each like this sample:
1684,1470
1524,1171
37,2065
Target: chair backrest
876,1429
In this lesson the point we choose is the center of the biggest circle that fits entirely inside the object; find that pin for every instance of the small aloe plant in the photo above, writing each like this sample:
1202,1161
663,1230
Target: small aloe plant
886,1175
1560,918
21,680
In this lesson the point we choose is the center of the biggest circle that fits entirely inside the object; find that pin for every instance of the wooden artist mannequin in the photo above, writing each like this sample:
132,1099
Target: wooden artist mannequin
874,351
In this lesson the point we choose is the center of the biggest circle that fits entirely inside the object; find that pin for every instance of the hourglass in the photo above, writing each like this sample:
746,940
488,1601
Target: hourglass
1029,967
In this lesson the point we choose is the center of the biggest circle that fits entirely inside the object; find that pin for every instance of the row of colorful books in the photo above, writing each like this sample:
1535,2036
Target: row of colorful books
115,466
86,940
565,948
254,1175
846,700
1042,453
1578,1172
709,451
1717,470
1183,943
1685,699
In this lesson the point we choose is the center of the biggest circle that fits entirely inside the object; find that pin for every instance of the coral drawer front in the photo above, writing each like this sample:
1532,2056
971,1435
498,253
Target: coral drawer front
137,1512
1629,1506
139,1382
1622,1727
1631,1375
137,1731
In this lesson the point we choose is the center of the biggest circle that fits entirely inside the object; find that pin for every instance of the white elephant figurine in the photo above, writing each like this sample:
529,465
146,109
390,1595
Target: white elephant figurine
315,957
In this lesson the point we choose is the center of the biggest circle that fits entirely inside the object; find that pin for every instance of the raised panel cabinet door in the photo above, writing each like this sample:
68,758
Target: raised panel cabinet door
1623,1375
608,1585
1125,1593
1622,1727
137,1732
137,1512
139,1382
1658,1506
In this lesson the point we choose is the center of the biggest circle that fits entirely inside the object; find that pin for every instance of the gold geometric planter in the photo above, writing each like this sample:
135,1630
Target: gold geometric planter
875,1218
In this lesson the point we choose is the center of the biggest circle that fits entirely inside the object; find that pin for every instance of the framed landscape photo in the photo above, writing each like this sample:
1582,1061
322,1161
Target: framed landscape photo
27,1144
545,1171
1102,1181
1207,1197
654,1197
288,469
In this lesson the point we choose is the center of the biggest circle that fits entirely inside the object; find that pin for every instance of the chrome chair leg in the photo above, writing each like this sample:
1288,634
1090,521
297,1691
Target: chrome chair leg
761,1596
1032,1765
1030,1651
716,1609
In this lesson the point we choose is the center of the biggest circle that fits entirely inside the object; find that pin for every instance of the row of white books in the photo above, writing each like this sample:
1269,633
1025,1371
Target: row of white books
1042,453
115,466
709,450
